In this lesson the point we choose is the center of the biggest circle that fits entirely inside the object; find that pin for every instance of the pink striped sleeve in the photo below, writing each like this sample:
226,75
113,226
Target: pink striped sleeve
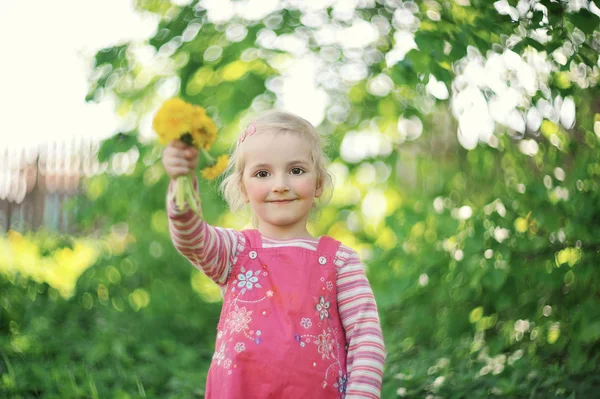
212,250
358,311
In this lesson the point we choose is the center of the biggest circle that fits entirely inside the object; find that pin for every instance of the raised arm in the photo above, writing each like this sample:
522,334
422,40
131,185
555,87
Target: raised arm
358,311
212,250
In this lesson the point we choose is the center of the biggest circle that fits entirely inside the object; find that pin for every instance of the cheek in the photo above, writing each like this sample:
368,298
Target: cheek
307,187
255,190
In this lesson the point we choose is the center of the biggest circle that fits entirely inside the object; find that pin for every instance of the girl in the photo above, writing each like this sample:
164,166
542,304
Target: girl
299,319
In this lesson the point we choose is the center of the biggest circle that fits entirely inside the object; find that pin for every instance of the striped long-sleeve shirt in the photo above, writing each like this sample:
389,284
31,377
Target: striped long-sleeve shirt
214,251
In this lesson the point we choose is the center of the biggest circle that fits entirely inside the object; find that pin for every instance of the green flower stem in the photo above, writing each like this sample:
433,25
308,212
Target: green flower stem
186,194
195,194
190,197
180,192
209,158
184,190
187,138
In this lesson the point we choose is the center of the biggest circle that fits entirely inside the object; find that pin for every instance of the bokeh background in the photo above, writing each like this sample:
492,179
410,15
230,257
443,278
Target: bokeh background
464,137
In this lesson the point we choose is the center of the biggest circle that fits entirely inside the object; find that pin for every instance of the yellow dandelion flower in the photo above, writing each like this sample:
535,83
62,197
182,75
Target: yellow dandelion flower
217,169
179,120
204,130
173,120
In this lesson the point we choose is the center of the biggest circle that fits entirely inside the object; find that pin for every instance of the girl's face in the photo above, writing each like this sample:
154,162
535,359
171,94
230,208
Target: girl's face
280,183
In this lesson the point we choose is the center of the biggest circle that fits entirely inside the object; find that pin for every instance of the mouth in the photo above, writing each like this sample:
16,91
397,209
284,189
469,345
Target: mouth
281,201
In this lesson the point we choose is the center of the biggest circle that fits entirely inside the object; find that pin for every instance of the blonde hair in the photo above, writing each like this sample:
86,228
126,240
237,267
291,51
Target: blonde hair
277,122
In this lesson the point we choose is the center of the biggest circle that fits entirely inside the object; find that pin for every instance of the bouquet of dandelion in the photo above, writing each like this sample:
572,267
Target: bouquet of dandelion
179,120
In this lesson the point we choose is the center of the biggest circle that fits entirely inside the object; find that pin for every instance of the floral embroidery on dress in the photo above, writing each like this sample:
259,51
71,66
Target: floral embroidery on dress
247,280
306,323
323,308
341,384
240,347
325,345
241,331
238,319
220,354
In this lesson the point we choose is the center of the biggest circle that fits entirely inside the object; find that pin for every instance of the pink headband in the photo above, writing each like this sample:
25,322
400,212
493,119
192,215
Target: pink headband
249,131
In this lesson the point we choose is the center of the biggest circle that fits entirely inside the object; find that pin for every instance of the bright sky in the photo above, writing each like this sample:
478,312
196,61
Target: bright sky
46,49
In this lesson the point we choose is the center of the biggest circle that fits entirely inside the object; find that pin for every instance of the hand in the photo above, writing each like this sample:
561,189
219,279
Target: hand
179,159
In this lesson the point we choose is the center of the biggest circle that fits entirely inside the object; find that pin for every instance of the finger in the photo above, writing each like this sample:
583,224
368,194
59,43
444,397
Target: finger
173,153
178,144
182,145
178,171
191,153
175,162
169,152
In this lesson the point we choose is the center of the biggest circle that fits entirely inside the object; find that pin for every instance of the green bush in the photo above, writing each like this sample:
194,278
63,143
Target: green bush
484,263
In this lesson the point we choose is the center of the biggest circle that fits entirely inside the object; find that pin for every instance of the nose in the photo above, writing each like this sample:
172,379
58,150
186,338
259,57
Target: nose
281,186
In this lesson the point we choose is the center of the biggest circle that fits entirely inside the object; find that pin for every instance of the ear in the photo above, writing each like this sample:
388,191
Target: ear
319,190
243,191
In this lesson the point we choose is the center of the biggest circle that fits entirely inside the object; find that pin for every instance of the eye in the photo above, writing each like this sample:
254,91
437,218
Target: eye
297,171
261,173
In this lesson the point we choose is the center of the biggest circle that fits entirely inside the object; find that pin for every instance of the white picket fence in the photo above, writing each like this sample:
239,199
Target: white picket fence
36,182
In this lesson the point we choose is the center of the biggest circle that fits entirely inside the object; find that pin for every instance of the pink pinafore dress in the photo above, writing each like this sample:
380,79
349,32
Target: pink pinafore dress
280,333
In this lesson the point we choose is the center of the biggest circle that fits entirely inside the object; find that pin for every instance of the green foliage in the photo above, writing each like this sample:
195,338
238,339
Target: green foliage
483,266
121,142
127,330
511,316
